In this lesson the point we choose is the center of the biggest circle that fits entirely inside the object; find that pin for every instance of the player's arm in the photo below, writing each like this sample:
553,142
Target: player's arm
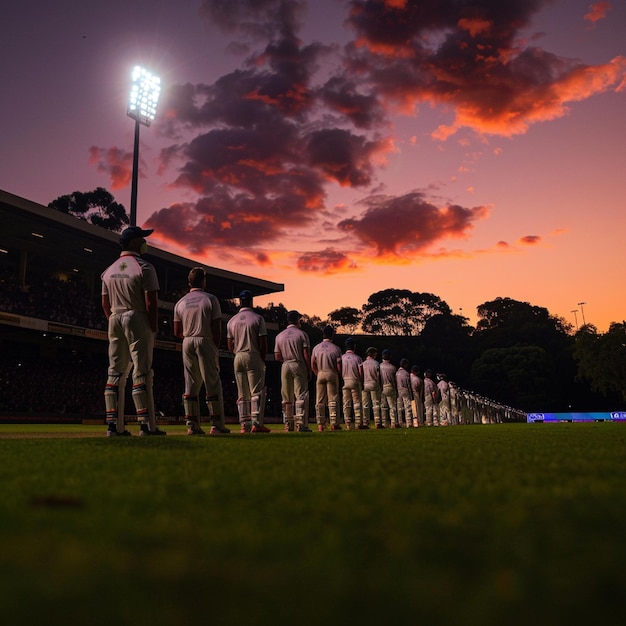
178,329
307,359
314,367
152,306
106,305
231,344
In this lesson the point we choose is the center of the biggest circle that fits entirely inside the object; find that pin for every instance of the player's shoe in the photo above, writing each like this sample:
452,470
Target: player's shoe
219,430
115,433
260,428
336,427
195,430
379,427
146,432
303,429
320,428
246,429
288,427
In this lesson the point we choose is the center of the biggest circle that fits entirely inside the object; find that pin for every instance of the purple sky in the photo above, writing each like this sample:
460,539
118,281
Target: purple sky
471,150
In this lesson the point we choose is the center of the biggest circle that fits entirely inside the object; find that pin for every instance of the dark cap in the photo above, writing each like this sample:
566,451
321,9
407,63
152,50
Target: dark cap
386,354
132,232
350,343
246,295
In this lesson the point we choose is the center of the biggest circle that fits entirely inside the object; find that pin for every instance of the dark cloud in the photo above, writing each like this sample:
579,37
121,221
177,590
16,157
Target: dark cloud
260,145
343,156
468,55
256,19
530,240
410,223
326,261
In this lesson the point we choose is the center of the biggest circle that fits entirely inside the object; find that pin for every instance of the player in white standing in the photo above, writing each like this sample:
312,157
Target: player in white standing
444,404
198,322
246,334
371,388
352,374
390,392
130,303
431,413
293,349
417,387
403,380
326,365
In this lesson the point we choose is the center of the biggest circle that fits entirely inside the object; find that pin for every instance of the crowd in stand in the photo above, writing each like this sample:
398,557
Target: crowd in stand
67,301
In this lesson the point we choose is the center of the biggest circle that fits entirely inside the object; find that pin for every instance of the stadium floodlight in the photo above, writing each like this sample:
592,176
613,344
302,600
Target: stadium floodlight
144,96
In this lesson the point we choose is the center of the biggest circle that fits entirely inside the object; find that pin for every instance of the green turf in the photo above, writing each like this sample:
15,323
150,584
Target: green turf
486,525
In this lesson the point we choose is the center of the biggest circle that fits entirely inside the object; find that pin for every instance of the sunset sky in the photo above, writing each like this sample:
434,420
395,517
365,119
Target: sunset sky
467,149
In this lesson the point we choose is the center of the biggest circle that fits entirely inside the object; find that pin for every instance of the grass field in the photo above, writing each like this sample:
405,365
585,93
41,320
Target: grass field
489,525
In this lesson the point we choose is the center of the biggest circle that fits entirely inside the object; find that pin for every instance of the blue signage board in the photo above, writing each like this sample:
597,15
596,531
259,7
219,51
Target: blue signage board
608,416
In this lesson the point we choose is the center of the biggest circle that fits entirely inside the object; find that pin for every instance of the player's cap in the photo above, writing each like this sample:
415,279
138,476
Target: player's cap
132,232
246,295
386,354
350,343
371,351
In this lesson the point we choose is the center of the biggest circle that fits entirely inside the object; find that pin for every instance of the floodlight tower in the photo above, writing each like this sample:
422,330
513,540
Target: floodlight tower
144,96
575,312
582,311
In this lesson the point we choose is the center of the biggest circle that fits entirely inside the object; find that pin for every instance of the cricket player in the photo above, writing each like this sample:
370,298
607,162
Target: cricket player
246,334
390,393
293,349
352,374
445,413
417,388
431,412
198,322
130,303
372,388
326,365
403,380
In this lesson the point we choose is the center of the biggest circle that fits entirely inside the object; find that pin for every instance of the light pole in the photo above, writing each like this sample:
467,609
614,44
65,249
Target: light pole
574,311
582,311
144,96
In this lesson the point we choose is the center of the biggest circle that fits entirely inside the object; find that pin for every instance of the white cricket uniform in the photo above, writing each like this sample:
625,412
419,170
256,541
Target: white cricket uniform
291,344
352,374
196,311
131,340
371,389
417,387
389,394
326,355
403,380
244,331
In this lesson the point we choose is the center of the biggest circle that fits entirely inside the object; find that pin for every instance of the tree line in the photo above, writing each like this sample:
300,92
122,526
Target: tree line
518,354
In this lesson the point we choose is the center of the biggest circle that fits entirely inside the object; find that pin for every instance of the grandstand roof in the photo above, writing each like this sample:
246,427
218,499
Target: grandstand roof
46,239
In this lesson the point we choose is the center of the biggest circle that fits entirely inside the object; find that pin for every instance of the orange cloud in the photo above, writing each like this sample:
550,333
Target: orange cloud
328,261
115,163
598,11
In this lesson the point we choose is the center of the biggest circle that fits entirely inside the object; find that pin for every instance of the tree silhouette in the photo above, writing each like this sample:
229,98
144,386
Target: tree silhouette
97,207
347,318
601,358
400,312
